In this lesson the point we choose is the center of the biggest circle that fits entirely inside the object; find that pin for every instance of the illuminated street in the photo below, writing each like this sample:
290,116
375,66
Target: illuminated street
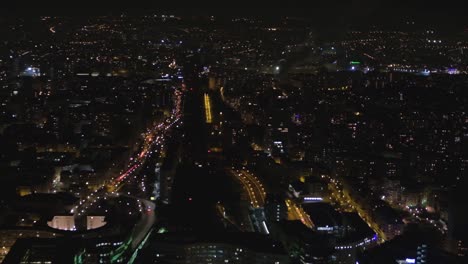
295,212
152,146
252,186
207,105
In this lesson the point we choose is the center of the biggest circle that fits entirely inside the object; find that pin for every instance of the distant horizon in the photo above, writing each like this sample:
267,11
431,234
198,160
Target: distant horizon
449,17
449,13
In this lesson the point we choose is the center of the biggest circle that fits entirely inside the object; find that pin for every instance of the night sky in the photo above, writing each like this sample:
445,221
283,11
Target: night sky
330,18
342,11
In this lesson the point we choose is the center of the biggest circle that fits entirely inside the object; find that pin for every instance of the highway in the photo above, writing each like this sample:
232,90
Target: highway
252,186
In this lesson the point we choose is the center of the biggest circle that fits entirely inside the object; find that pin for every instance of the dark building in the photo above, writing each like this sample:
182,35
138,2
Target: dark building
415,246
275,208
220,248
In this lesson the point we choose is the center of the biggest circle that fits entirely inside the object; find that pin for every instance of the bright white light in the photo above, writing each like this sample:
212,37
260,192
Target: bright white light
266,228
313,199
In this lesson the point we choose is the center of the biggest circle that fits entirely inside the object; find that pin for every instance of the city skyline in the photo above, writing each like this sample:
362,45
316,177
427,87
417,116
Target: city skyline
336,134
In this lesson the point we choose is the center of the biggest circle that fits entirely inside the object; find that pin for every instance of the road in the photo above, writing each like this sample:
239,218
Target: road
149,152
342,198
152,146
295,212
208,112
252,186
145,223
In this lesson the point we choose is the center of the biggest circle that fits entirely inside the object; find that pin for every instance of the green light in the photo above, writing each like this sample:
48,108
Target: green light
135,254
354,62
120,250
78,259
